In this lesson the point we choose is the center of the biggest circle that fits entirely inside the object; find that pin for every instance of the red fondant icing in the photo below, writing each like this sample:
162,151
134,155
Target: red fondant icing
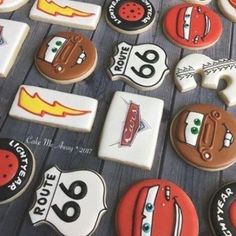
165,221
8,166
131,11
193,26
233,3
232,213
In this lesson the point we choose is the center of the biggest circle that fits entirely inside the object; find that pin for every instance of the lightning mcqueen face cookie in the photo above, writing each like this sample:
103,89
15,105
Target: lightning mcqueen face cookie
156,207
66,57
204,136
192,26
16,169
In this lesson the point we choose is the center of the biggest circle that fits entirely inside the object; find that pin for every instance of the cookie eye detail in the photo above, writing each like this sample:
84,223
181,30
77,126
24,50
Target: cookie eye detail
149,207
197,122
194,130
54,50
146,228
58,43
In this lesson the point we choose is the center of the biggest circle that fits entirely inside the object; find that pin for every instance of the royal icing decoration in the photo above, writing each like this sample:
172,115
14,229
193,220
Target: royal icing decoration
202,2
203,134
156,207
228,7
71,202
11,5
54,108
212,71
134,121
222,211
16,169
142,66
192,26
130,16
66,57
68,13
12,36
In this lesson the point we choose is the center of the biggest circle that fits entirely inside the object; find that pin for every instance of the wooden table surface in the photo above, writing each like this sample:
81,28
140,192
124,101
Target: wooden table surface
83,148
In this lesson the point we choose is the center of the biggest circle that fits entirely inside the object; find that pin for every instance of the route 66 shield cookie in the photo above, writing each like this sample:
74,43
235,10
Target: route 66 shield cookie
192,26
142,66
66,58
72,202
130,16
17,167
156,207
222,211
204,136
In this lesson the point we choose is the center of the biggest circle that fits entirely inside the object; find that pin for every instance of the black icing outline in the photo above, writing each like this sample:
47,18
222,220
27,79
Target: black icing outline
133,25
6,194
127,78
215,224
54,226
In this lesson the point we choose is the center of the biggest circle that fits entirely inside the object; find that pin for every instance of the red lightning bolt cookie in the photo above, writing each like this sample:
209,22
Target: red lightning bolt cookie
192,26
66,58
16,169
156,207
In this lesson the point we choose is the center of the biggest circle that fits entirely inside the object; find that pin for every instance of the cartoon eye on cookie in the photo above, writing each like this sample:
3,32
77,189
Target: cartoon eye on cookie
156,207
66,58
204,136
196,26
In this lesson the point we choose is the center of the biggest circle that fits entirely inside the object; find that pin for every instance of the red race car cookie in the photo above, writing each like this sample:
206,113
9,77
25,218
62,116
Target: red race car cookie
16,169
156,207
204,136
222,211
192,26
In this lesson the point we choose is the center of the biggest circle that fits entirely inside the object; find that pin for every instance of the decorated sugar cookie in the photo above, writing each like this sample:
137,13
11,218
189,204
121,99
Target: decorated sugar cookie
68,13
16,169
204,136
222,211
228,7
11,5
202,2
134,121
130,16
192,26
71,202
12,37
212,72
53,108
156,207
142,66
66,57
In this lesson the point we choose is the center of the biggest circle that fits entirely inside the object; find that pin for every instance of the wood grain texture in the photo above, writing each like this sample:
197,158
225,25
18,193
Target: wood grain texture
200,185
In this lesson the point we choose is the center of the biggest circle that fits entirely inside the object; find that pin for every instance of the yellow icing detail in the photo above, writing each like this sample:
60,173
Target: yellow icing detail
51,8
37,106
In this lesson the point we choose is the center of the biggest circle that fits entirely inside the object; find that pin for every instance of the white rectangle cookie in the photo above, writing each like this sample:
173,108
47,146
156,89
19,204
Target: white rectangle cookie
131,130
57,109
67,13
12,36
